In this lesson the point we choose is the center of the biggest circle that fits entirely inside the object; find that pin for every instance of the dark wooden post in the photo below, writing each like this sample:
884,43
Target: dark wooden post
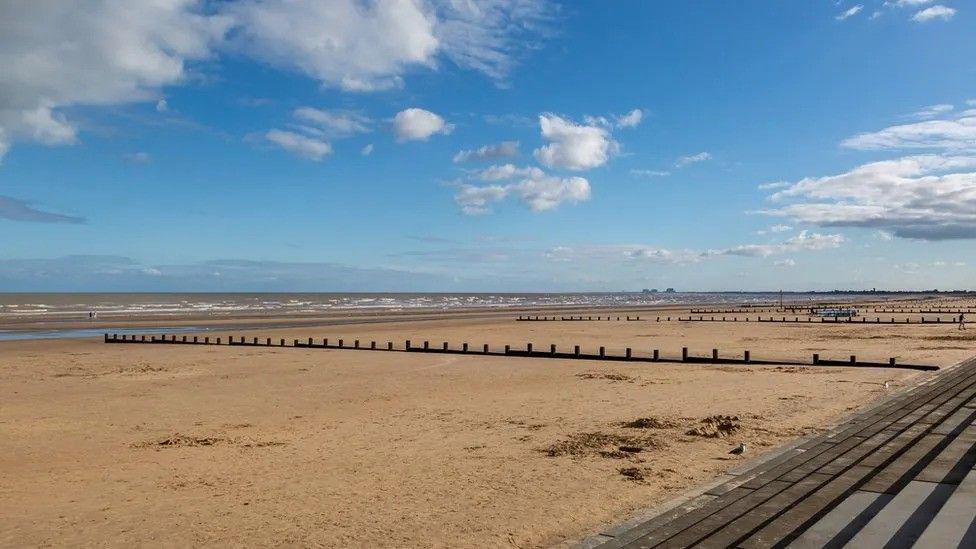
528,348
445,345
426,345
656,354
891,362
576,350
464,347
389,345
628,352
268,342
340,343
309,342
552,349
486,349
714,355
407,345
372,345
684,354
507,349
256,341
853,360
106,338
746,357
281,342
603,351
356,344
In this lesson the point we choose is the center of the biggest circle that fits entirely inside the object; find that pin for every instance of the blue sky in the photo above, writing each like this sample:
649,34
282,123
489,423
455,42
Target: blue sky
519,145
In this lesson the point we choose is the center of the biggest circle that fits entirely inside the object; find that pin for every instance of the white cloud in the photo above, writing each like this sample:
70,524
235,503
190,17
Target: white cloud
785,263
63,54
302,145
683,161
367,150
957,133
488,152
365,46
908,3
849,13
805,241
162,105
631,119
933,110
573,146
775,229
935,12
884,236
138,158
335,122
773,185
418,125
536,189
930,197
649,173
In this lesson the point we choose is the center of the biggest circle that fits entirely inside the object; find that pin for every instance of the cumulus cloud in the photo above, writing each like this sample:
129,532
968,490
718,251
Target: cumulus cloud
955,133
63,54
418,125
683,161
929,197
488,152
631,119
532,186
649,173
802,242
933,111
779,228
934,12
302,145
367,150
573,146
14,209
366,46
773,185
849,12
57,55
805,241
334,122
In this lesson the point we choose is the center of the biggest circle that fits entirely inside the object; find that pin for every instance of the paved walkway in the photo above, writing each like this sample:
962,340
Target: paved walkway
898,475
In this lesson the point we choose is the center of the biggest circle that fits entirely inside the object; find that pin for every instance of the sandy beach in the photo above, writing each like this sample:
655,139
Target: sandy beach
147,444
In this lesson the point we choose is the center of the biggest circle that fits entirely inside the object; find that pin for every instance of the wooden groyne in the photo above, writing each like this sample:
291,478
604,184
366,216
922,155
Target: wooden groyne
528,351
780,319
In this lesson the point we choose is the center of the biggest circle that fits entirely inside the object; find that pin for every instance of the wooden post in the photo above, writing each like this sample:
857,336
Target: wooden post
325,341
426,345
891,362
268,342
603,351
389,345
106,338
628,352
464,347
552,349
657,354
281,342
340,343
256,341
576,350
714,355
486,349
372,345
507,349
407,345
746,357
853,360
183,341
528,347
445,345
684,354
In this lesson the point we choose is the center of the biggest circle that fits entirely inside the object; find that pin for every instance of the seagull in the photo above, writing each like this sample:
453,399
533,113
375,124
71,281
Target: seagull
738,450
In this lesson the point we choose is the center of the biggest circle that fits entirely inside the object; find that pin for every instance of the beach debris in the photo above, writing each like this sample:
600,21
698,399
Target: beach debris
612,376
648,423
178,440
608,445
738,450
715,427
636,474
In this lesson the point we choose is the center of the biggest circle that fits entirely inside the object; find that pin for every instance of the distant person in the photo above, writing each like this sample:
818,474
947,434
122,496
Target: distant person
962,321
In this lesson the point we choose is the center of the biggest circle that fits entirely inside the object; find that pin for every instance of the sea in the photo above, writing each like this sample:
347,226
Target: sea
54,305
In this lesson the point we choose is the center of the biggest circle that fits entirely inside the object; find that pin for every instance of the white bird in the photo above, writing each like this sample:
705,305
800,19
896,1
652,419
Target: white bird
738,450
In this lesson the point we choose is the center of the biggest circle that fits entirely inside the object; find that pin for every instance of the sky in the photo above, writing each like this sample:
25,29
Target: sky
487,145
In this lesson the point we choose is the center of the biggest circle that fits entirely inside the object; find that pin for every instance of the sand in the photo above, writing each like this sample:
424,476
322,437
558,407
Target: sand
120,445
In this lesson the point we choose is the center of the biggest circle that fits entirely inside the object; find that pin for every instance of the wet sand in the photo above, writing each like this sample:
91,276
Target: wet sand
119,445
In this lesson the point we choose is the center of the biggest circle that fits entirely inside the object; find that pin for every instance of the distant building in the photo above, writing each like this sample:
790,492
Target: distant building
669,291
